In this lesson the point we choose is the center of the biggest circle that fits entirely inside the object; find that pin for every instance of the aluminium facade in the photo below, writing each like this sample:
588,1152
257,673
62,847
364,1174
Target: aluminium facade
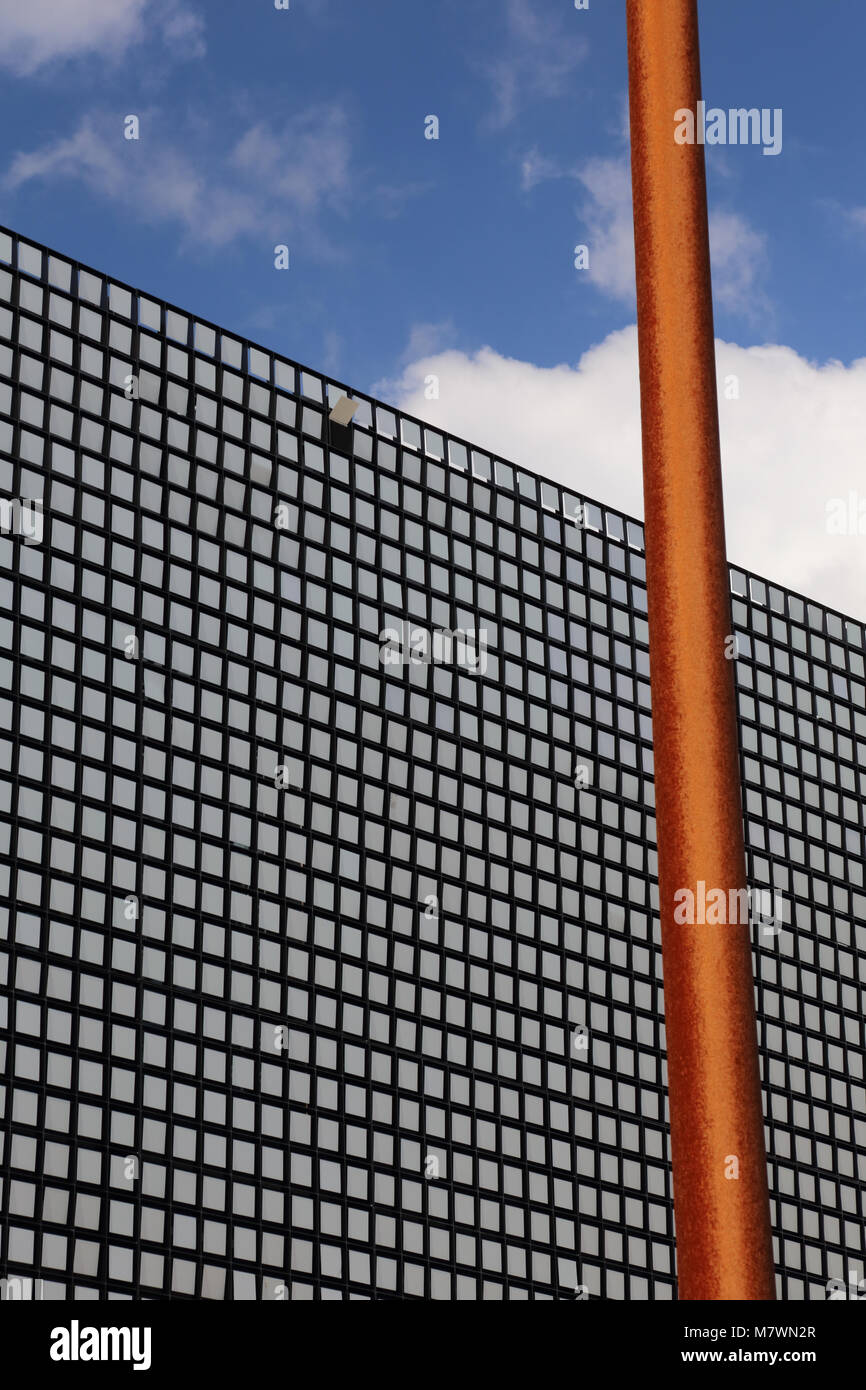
327,976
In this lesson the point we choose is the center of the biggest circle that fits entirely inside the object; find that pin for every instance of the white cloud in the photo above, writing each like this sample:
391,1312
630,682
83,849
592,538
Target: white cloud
182,29
537,55
739,255
791,442
738,252
36,32
425,339
266,183
307,163
536,168
607,217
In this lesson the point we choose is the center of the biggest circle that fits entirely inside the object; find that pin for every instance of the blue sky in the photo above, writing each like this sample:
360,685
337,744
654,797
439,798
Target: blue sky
306,127
394,230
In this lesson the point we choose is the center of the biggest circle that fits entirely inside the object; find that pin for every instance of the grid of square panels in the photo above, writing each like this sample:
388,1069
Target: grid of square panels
803,736
331,979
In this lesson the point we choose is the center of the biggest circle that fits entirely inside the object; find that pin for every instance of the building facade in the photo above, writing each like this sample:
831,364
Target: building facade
329,937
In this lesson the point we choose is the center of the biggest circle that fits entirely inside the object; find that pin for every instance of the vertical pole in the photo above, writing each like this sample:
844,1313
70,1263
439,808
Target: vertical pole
721,1201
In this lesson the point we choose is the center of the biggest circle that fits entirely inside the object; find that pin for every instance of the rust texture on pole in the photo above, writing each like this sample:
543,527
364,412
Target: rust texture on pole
721,1201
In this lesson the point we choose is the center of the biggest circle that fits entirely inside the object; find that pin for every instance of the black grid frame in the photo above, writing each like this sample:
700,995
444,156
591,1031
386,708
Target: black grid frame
237,1091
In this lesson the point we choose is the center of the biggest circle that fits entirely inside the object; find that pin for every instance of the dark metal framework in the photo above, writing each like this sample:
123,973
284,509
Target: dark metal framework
237,1093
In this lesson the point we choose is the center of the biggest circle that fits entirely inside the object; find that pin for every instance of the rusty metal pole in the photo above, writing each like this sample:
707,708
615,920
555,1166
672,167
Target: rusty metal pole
721,1201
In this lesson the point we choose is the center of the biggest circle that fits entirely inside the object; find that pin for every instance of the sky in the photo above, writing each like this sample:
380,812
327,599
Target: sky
453,258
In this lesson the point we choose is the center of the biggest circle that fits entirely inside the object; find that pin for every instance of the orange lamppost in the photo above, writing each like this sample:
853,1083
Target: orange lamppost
721,1202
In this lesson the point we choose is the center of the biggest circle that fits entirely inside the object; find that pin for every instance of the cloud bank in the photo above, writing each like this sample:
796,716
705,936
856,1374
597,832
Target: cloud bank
739,252
264,181
38,32
792,441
